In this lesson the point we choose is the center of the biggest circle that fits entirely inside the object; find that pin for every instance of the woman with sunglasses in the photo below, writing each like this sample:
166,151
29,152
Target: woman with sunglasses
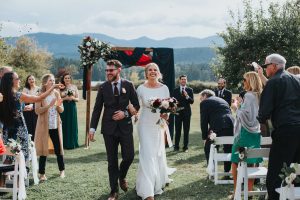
247,128
11,109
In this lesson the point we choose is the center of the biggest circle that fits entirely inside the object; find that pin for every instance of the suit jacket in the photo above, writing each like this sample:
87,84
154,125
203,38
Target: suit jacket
215,115
226,95
183,101
105,97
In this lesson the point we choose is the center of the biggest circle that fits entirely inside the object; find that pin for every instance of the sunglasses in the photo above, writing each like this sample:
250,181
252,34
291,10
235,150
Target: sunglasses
109,70
266,65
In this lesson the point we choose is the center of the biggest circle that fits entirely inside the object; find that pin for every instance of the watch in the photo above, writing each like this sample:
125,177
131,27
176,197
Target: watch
126,113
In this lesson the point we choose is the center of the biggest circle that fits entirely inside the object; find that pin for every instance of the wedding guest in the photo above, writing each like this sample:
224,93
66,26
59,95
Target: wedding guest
114,95
49,124
29,113
153,172
185,98
294,70
215,117
69,117
280,101
3,70
222,92
11,112
247,127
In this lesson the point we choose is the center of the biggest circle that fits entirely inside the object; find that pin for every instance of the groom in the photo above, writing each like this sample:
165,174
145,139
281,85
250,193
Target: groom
115,94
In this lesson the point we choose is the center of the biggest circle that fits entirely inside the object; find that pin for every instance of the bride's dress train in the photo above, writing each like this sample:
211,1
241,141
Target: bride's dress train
152,175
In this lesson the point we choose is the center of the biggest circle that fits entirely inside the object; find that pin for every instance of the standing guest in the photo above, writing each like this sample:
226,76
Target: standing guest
69,117
222,92
49,124
11,112
29,113
215,117
280,101
247,127
185,98
3,70
294,70
114,95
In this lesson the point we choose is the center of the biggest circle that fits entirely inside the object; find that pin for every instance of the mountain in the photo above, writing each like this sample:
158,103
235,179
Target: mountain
186,49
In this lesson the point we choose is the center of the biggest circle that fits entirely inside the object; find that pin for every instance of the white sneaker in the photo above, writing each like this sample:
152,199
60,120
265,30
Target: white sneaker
62,174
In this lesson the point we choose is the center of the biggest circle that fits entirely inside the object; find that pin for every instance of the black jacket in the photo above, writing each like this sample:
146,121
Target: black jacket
183,101
215,115
280,100
226,95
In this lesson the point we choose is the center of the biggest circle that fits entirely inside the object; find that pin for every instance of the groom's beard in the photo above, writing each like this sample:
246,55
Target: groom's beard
111,78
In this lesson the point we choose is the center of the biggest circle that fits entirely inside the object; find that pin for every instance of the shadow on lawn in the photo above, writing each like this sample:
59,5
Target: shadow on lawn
96,157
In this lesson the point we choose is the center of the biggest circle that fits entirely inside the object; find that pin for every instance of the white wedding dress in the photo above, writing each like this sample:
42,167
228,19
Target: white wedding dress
152,175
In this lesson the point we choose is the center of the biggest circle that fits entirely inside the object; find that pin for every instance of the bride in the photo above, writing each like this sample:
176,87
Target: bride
152,175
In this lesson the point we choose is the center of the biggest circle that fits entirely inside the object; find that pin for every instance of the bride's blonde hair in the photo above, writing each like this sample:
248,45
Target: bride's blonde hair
152,65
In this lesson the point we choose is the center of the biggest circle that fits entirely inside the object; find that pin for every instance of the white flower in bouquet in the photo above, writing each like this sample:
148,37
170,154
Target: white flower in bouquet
293,176
91,49
88,44
288,180
165,104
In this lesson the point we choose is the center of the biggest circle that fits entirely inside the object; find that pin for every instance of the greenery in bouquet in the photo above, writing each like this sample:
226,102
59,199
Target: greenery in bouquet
91,50
15,146
288,174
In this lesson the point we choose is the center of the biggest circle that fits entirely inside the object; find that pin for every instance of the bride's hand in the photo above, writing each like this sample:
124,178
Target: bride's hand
118,115
132,110
164,116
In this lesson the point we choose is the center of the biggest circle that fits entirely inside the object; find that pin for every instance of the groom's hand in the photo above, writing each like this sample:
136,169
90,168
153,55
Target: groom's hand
118,115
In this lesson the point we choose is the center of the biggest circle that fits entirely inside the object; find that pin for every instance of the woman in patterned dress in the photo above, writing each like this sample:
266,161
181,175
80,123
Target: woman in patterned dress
11,110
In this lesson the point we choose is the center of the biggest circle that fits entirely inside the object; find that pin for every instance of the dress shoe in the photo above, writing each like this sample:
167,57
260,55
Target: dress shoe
123,185
113,196
176,149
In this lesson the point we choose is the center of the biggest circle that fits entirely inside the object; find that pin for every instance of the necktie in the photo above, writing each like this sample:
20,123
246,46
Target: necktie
182,91
116,90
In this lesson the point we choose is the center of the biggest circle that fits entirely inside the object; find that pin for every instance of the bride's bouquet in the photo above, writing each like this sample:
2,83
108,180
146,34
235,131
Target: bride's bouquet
167,105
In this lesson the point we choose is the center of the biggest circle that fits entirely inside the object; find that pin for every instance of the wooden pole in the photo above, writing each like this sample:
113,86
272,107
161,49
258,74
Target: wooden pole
88,106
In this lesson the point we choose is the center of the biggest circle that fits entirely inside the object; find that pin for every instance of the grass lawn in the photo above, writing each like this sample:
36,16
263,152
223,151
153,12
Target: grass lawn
87,176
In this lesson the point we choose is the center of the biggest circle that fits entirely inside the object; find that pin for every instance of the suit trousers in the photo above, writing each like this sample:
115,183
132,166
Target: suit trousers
127,151
182,119
285,148
60,159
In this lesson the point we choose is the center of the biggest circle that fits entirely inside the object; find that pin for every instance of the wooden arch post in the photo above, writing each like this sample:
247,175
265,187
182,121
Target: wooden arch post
88,105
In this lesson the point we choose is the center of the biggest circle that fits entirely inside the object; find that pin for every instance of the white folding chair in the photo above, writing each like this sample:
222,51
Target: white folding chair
217,157
19,174
245,173
289,192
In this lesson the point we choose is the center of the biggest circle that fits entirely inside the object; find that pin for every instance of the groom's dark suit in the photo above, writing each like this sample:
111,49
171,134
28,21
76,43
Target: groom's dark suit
116,132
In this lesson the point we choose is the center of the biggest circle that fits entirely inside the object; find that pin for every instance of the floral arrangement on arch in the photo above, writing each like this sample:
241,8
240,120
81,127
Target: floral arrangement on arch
91,50
288,174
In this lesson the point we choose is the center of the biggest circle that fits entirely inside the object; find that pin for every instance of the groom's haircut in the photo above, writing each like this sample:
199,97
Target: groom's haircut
207,93
183,75
115,63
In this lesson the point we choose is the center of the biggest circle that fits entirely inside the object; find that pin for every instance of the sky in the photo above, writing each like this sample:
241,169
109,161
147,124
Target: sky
123,19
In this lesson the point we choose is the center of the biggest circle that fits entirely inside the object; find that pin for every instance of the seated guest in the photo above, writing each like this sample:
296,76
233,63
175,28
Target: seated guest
216,117
49,124
247,127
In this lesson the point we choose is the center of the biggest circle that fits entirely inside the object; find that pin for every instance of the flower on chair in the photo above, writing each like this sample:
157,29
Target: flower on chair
288,175
242,151
15,146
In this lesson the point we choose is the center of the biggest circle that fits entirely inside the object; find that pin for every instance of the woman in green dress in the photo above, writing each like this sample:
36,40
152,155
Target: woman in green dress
247,128
69,117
